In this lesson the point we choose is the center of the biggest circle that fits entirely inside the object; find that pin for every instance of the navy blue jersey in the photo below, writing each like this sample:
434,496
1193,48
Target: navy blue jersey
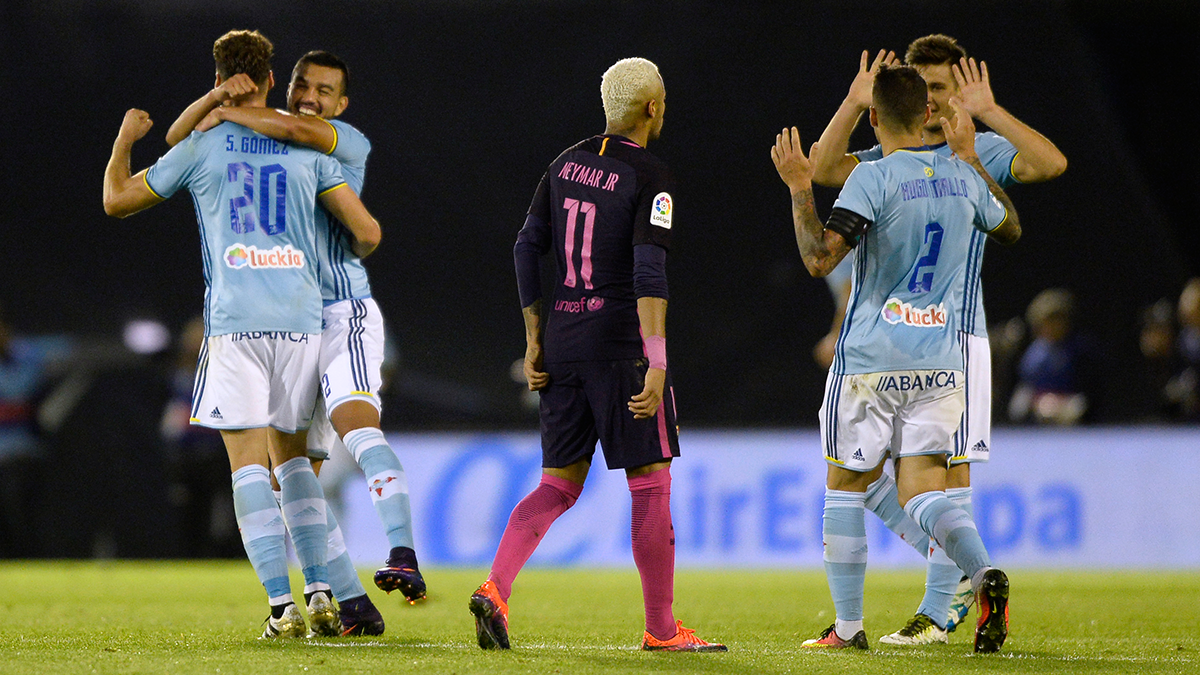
598,200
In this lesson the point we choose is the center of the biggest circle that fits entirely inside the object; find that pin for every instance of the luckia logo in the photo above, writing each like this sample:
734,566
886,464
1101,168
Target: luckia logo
894,311
240,256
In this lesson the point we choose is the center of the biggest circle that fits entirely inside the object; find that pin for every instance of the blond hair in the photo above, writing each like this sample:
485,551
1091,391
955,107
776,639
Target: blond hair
626,86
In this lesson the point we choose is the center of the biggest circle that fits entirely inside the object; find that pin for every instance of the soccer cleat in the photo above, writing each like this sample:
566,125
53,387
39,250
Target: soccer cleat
960,607
323,617
360,617
491,617
920,630
407,580
290,625
685,640
992,628
829,640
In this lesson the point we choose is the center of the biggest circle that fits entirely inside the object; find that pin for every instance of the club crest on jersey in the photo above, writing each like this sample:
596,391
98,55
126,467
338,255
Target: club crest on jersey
660,212
239,256
894,311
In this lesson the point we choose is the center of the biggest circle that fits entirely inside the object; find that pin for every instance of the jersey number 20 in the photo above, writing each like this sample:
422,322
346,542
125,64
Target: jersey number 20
272,191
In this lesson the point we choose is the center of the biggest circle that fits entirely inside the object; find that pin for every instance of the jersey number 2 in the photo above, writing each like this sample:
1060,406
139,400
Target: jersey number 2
272,191
922,276
574,207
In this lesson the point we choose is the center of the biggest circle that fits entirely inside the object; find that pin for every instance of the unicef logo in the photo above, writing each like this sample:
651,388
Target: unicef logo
594,304
236,257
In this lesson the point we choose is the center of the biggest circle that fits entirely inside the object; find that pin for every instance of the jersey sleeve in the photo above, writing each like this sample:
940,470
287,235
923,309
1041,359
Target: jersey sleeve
540,206
989,212
863,192
655,208
997,155
868,155
177,168
329,174
351,147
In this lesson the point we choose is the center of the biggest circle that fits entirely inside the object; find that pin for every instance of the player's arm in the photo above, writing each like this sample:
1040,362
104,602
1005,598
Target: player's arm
1037,158
532,242
821,248
312,132
125,195
831,161
231,88
960,136
652,316
344,204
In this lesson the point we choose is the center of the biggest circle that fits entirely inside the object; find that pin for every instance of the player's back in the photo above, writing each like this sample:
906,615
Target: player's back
601,197
341,270
910,267
254,200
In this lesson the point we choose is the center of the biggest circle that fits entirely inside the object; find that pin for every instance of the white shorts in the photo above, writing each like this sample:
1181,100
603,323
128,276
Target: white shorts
912,412
351,358
254,380
973,441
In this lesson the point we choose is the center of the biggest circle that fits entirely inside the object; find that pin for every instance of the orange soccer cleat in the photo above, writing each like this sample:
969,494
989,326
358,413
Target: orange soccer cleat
491,616
685,640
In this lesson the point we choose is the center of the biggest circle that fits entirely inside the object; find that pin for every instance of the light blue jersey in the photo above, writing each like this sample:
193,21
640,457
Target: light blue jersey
911,266
343,276
255,199
997,155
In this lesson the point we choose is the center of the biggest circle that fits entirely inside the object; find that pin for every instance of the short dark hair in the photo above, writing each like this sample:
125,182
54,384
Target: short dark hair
243,51
934,50
899,97
319,57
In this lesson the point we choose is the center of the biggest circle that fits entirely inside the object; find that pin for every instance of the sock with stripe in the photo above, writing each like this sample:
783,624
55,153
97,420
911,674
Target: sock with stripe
343,578
951,528
653,538
844,531
884,501
262,530
386,482
528,523
304,507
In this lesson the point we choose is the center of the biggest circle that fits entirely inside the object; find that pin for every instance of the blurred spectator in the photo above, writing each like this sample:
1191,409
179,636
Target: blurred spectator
1058,373
1182,392
196,463
28,367
1157,344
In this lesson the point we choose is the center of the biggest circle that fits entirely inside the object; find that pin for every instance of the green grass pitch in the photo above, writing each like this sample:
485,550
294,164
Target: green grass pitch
205,617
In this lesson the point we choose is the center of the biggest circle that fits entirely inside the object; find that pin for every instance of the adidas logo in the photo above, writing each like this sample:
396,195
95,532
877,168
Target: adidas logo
980,447
858,455
216,414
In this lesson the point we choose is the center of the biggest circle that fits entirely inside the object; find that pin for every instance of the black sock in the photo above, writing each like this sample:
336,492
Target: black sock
278,610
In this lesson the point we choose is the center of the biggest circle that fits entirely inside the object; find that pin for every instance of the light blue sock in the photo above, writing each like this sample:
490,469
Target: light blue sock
844,530
386,482
261,525
952,528
343,578
884,501
962,499
941,581
304,512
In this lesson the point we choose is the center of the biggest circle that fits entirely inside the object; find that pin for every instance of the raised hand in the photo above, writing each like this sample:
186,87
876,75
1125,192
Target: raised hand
864,82
974,87
212,119
134,126
788,155
238,85
960,132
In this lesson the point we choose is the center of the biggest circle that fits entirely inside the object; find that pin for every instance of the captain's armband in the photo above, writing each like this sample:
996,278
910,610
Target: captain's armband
848,224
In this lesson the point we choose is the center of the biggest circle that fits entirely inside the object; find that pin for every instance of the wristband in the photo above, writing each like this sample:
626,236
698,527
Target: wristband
656,351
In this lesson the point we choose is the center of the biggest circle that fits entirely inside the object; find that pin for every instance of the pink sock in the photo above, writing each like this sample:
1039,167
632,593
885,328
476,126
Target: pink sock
654,548
528,522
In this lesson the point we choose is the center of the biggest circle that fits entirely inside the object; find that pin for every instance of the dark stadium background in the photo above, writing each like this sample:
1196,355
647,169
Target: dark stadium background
466,102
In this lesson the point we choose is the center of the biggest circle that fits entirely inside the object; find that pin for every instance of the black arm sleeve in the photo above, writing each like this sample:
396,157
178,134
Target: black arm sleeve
848,224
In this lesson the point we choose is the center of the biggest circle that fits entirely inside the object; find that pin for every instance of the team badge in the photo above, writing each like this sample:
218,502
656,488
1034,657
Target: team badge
929,172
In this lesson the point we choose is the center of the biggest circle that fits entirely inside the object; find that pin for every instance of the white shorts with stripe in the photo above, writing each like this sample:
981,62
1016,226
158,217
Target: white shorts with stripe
912,412
351,358
973,441
257,379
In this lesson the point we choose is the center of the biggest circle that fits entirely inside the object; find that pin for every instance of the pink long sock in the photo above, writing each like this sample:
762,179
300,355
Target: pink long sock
528,522
654,548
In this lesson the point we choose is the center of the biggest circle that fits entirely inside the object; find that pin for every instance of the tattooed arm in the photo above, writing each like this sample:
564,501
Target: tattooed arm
820,248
